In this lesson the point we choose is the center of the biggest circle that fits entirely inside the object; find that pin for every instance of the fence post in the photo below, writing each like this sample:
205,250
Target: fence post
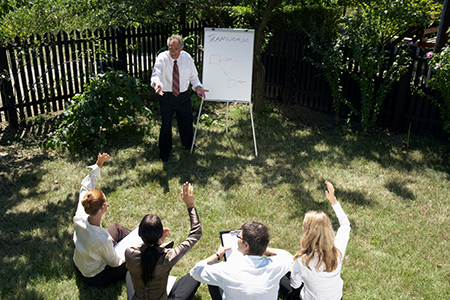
122,49
404,90
287,87
7,91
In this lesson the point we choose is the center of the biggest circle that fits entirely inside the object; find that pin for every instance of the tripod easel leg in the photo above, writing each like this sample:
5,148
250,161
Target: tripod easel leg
196,126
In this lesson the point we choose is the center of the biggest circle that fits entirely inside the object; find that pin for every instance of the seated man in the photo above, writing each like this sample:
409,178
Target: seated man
247,276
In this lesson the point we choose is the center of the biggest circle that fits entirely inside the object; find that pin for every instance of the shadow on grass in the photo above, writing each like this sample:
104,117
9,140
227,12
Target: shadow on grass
291,145
32,294
34,246
112,291
400,190
304,202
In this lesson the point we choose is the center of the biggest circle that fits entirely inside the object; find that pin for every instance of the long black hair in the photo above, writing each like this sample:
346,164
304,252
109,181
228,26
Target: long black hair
150,230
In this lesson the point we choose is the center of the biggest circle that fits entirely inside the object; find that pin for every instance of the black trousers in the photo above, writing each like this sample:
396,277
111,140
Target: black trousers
180,105
118,232
183,289
215,292
286,290
110,274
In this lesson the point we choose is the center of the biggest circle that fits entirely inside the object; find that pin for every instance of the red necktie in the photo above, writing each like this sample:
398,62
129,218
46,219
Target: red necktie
175,80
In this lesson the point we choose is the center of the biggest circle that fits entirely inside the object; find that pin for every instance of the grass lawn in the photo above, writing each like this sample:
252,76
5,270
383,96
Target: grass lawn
395,198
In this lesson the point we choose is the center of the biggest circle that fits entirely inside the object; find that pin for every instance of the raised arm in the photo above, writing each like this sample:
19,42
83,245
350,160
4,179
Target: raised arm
89,182
175,254
343,233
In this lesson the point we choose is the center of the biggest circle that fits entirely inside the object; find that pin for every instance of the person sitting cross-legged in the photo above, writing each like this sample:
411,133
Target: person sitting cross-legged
316,271
95,259
149,264
253,273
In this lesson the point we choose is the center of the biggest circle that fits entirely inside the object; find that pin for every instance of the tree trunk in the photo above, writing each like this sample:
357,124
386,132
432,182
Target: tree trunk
259,81
259,84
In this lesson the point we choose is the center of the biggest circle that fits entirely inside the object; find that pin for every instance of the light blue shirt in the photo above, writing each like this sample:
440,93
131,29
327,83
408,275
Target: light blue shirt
248,277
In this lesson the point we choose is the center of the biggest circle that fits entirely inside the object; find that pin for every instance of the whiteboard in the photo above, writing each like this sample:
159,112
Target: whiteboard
228,64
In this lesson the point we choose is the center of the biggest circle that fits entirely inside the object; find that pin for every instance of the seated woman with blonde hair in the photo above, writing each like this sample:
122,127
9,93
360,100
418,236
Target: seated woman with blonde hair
95,259
317,266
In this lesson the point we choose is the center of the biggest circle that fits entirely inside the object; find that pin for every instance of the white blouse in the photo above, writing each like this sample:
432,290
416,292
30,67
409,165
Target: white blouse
323,285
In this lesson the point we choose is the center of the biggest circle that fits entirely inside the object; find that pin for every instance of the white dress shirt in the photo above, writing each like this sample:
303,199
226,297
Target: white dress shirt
248,277
163,69
94,246
323,285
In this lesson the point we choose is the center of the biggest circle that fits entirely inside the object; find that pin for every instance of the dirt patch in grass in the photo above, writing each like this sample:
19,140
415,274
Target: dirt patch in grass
308,116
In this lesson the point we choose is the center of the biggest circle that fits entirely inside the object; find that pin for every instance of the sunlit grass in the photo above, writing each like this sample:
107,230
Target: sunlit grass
395,198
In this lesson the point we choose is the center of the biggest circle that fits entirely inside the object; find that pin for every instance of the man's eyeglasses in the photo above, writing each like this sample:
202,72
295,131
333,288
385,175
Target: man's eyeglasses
239,237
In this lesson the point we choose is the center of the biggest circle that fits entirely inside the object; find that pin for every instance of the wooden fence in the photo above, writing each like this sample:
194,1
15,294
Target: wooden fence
46,71
40,74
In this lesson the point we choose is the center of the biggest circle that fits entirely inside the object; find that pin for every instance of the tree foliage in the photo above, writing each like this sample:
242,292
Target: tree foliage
24,18
373,65
396,19
439,78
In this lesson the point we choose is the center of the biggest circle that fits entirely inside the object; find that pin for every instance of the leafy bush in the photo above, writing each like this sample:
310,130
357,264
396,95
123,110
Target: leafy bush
108,99
439,63
378,68
373,65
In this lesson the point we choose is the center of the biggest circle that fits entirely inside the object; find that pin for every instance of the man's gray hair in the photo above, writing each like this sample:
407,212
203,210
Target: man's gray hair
177,38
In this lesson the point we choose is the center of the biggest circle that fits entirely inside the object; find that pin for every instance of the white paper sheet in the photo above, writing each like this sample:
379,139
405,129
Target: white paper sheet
132,239
229,239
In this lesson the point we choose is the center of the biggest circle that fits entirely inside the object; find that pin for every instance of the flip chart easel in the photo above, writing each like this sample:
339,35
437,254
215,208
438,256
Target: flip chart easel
228,69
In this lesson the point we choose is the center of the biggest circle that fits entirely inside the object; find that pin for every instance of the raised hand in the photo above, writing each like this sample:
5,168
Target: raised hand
329,193
101,158
187,193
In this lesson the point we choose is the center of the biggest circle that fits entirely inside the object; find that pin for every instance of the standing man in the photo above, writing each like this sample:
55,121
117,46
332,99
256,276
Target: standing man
249,276
173,71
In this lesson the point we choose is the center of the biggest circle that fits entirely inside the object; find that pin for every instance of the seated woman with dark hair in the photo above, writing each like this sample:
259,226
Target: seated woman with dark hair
95,259
150,264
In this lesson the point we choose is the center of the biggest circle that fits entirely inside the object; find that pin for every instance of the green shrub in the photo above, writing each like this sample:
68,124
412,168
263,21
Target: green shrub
379,63
378,68
439,63
109,99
